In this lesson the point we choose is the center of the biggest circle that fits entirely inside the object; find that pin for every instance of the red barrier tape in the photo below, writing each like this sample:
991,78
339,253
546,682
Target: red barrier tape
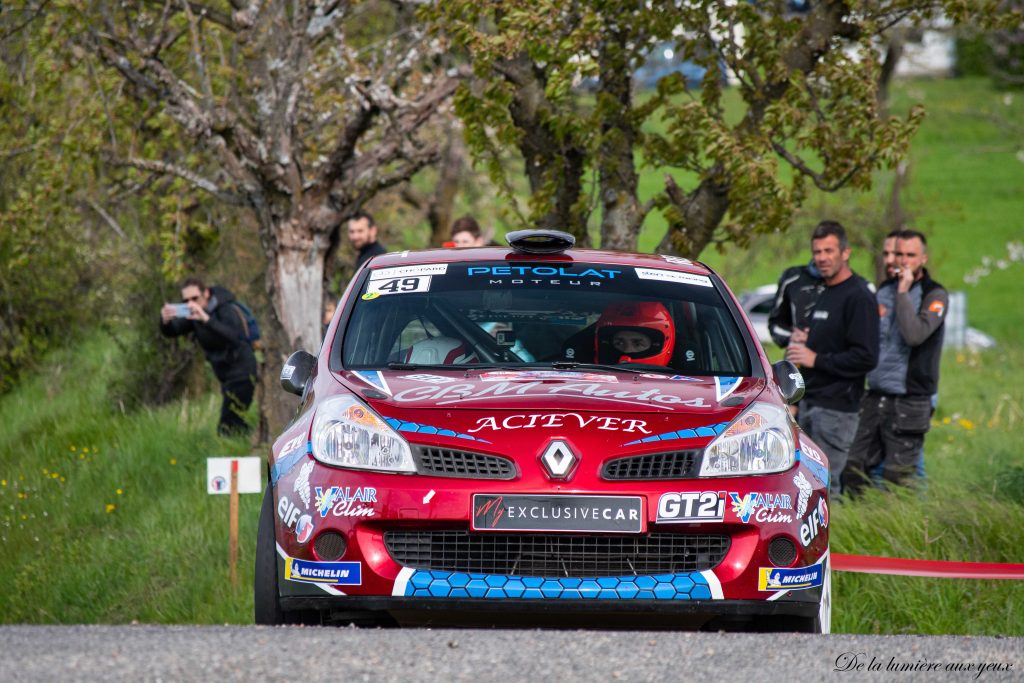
943,569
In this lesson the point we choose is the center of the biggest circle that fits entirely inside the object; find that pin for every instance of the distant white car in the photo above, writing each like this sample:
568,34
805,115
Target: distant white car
757,304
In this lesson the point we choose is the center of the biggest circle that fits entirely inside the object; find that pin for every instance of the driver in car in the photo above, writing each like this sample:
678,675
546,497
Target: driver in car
635,332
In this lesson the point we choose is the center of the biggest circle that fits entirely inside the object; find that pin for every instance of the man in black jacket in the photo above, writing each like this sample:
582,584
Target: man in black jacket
362,233
836,350
219,327
896,412
795,299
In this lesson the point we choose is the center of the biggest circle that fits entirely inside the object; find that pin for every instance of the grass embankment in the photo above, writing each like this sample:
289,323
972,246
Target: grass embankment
105,517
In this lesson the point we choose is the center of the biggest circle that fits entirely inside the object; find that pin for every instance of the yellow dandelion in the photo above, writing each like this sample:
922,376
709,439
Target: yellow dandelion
46,471
73,449
62,480
119,492
85,450
21,496
54,475
111,507
3,482
965,423
960,358
81,456
946,420
174,461
24,516
95,450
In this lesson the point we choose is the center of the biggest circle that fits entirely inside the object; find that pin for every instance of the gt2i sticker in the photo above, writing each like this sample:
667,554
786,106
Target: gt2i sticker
557,420
673,276
399,285
409,271
816,521
335,573
687,506
342,501
798,578
764,504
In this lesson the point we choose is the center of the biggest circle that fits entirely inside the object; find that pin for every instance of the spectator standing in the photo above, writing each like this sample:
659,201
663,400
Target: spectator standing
466,233
797,295
895,413
836,350
219,327
362,233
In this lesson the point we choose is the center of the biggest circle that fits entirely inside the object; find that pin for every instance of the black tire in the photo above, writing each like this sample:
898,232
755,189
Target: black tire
267,600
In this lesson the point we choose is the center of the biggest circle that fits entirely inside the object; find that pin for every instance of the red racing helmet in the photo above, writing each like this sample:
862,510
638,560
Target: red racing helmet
635,332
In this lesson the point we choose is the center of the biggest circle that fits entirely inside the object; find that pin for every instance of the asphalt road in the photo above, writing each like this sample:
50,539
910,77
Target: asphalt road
339,655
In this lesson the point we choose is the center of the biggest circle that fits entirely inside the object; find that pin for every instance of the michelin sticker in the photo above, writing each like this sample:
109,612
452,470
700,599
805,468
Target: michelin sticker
782,579
336,573
673,276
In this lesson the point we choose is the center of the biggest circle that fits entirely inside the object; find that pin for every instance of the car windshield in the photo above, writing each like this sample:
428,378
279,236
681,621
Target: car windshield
517,314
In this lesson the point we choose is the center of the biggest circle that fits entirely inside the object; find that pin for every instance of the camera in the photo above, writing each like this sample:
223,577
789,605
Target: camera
181,310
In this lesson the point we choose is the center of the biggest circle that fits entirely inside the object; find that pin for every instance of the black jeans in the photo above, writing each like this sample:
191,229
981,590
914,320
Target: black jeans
891,433
237,396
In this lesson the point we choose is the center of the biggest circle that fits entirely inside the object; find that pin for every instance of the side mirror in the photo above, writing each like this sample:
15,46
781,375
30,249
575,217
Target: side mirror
296,372
790,381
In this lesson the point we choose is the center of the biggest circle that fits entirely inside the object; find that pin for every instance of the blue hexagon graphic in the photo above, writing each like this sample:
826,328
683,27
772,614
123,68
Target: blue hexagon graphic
442,584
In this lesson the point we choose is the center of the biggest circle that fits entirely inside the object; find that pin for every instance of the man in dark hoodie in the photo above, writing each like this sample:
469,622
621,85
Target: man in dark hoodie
219,326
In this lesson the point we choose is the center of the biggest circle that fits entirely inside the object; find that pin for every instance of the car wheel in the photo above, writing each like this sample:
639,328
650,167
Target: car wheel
822,621
267,602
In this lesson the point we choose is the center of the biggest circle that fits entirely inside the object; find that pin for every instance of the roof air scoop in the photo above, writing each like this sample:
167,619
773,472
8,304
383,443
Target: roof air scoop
540,241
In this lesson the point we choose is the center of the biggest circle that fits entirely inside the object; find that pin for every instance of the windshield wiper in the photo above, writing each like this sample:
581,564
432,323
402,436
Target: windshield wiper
570,365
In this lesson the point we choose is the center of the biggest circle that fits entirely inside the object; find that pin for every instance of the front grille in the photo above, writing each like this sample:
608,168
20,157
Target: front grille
674,465
553,555
447,462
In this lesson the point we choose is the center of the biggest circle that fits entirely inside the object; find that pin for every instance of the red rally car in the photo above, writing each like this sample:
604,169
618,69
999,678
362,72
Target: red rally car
542,433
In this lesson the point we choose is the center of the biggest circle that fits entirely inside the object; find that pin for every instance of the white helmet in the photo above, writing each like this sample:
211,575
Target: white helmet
439,351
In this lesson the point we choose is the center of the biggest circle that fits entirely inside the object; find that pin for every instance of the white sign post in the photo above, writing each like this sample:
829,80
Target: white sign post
233,476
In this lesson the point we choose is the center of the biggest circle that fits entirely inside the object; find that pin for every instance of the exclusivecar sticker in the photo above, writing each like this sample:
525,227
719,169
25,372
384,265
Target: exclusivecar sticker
342,501
673,276
691,506
725,386
785,579
695,433
375,378
301,485
464,393
559,420
527,375
416,428
335,573
746,506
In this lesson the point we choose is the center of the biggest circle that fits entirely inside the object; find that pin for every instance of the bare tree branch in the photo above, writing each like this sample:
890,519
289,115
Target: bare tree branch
191,177
107,218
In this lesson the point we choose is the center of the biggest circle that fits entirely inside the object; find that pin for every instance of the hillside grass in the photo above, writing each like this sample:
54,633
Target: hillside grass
104,517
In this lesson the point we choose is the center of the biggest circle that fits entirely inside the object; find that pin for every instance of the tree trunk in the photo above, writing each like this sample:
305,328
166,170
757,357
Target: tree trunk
452,165
622,215
693,217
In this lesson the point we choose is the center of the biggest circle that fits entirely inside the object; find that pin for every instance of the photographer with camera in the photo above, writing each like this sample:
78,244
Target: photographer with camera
217,322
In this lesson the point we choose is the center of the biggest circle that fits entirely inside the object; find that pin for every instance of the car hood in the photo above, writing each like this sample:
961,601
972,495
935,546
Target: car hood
492,400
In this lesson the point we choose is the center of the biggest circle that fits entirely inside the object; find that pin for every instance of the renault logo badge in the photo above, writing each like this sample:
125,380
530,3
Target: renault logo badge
558,459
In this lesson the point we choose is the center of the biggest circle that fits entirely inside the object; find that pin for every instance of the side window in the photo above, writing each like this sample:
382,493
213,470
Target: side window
416,330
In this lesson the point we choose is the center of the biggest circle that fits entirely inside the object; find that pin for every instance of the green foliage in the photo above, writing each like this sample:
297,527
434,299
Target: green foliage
800,115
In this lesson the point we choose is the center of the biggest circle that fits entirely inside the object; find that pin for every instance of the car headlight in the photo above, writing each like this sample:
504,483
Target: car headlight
760,440
347,433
